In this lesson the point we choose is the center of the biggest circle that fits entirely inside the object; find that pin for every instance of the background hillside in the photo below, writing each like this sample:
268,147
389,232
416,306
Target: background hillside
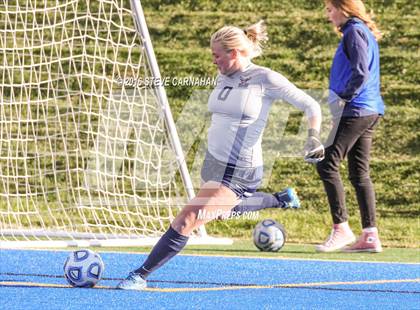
301,47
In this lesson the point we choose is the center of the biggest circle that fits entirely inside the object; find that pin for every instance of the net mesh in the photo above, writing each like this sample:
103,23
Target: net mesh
84,149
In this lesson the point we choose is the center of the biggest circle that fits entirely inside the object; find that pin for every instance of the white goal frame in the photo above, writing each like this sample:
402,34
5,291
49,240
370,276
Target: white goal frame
20,237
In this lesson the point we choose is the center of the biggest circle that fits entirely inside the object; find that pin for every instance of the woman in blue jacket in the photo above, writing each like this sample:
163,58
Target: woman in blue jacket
357,106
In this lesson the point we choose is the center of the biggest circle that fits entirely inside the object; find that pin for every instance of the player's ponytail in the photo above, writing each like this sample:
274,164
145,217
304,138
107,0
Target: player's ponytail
248,41
356,8
257,34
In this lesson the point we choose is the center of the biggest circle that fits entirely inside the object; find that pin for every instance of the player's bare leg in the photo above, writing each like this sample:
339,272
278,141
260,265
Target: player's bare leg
212,200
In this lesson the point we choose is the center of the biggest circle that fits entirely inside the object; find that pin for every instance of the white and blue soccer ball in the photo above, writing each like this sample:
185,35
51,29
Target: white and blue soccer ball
269,236
83,268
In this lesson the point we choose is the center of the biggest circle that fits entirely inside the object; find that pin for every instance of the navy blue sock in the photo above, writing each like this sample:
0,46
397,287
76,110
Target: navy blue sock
258,201
170,244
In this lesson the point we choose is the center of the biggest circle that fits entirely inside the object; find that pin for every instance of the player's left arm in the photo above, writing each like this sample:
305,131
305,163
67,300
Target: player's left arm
279,87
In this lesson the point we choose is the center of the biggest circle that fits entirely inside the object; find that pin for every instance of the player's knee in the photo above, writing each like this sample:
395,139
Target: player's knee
185,221
325,169
359,178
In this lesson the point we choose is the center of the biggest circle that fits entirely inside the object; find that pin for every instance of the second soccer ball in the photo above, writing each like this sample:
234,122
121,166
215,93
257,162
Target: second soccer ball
269,236
83,268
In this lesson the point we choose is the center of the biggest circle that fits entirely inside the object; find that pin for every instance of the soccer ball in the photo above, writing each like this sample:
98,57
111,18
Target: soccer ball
269,236
83,268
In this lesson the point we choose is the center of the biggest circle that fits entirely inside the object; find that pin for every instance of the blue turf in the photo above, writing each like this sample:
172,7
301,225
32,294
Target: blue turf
212,271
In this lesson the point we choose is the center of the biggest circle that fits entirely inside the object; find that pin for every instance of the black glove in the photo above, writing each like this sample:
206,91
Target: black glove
314,150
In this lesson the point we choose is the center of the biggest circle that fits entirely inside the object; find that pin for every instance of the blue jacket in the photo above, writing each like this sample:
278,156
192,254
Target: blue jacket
355,76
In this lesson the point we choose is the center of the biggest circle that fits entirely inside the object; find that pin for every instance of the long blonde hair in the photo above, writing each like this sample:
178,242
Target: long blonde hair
356,8
249,41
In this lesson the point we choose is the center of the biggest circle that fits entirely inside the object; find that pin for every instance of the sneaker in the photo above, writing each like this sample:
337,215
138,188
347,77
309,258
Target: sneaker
289,198
340,236
368,242
132,282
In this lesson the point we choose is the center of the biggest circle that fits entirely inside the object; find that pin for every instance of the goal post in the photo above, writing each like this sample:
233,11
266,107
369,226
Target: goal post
88,155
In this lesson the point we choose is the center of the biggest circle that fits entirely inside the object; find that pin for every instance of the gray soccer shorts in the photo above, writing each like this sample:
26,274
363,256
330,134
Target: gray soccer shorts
243,181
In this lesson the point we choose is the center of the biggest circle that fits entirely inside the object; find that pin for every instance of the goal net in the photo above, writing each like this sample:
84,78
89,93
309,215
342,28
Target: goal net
88,154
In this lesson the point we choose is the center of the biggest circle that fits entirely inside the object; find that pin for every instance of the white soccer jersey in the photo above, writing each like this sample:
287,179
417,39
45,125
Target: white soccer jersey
240,104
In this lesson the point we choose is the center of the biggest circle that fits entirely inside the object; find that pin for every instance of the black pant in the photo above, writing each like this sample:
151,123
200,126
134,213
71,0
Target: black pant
352,137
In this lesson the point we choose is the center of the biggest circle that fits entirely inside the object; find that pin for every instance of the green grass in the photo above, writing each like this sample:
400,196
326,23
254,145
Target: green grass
301,47
245,248
301,42
314,226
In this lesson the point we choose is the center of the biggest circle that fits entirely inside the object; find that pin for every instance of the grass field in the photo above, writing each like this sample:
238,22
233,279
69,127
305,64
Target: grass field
301,46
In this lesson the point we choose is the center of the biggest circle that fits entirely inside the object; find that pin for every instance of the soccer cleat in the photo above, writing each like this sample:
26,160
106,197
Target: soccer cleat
368,242
132,282
340,236
289,198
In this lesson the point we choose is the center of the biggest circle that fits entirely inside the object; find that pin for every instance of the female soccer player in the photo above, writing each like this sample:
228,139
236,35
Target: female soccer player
232,168
356,100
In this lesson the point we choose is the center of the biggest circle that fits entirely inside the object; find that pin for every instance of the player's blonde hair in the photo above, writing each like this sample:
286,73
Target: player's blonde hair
356,8
248,41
